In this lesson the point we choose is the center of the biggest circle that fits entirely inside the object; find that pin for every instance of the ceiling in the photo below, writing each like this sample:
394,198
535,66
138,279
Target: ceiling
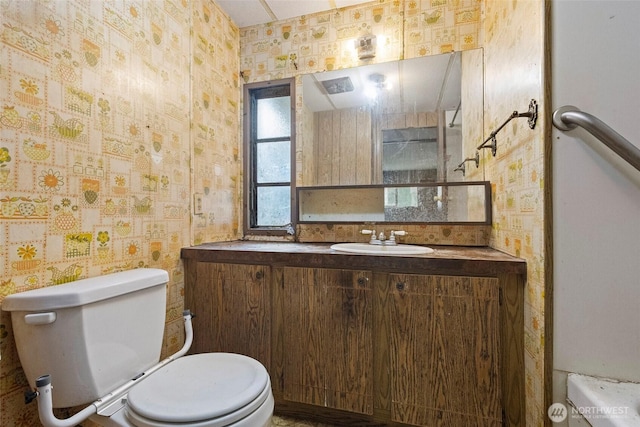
246,13
427,83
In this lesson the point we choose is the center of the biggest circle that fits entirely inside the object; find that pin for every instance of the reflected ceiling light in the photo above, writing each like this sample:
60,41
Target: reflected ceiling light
379,80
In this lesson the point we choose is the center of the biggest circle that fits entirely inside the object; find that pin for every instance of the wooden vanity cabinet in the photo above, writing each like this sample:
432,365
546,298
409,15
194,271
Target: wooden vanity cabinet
232,304
348,345
327,319
440,345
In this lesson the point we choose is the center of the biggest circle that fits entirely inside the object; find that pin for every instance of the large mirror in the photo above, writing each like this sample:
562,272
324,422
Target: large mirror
401,122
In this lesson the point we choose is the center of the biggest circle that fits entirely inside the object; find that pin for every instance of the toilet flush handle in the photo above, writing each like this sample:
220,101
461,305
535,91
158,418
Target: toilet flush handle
40,318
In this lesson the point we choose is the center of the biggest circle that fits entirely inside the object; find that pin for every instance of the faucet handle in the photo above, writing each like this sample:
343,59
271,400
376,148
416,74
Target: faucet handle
373,235
394,233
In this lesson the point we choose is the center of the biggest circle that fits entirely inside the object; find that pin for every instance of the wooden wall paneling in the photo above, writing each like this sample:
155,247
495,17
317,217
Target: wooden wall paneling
363,146
376,130
325,147
336,149
306,154
347,141
411,120
396,121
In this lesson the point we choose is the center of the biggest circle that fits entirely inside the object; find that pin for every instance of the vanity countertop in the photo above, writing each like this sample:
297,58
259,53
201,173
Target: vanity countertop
455,260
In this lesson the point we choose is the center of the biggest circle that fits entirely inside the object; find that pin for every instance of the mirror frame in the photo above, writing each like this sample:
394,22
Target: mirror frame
487,206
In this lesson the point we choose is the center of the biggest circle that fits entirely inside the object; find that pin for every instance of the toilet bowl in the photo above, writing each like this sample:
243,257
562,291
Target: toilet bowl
97,341
204,390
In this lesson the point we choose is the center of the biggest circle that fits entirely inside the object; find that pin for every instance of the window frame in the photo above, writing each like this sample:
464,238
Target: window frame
250,158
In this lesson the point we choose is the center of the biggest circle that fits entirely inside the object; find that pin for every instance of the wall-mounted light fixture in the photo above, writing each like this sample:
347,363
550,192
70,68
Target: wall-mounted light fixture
366,47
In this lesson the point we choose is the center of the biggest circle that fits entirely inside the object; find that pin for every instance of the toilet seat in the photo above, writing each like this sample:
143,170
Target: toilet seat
203,390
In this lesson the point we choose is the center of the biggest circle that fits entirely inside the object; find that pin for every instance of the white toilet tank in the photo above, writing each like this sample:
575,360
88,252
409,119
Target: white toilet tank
91,335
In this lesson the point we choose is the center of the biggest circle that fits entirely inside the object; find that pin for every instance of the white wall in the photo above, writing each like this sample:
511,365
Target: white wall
596,195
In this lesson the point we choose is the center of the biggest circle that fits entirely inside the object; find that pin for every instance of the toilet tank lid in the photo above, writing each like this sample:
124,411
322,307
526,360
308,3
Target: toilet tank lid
85,291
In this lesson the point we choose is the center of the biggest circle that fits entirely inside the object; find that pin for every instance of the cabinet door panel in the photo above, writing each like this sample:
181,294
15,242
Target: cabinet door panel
445,359
304,376
328,357
232,309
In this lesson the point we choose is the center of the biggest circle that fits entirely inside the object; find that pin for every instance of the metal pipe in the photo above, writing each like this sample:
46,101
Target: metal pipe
569,117
455,114
445,80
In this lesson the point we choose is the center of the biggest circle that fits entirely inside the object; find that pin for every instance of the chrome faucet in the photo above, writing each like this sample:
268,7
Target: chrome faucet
381,239
374,240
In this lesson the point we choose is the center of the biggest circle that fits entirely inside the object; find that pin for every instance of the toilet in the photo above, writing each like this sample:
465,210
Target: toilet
97,342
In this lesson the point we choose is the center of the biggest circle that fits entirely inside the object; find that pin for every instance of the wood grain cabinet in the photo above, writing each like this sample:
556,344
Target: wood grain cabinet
440,345
232,304
369,347
327,334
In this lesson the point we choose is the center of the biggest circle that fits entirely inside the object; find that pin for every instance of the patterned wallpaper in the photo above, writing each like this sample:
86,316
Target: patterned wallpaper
108,112
325,41
514,52
216,135
116,117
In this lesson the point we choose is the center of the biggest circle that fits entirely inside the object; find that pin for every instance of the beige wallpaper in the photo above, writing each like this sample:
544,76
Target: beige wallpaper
116,117
514,51
217,143
108,111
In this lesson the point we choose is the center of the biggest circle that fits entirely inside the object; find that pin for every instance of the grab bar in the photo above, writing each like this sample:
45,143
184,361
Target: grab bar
569,117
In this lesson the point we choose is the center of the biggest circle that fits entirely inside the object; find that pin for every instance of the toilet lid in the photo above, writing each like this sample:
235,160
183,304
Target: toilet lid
199,387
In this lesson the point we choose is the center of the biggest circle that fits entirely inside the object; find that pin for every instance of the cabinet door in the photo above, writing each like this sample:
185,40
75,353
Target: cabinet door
328,338
444,350
232,303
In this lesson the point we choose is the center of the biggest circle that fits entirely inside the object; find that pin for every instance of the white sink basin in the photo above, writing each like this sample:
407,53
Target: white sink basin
368,249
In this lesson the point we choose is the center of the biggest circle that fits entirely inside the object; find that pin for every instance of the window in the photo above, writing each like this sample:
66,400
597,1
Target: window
269,160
